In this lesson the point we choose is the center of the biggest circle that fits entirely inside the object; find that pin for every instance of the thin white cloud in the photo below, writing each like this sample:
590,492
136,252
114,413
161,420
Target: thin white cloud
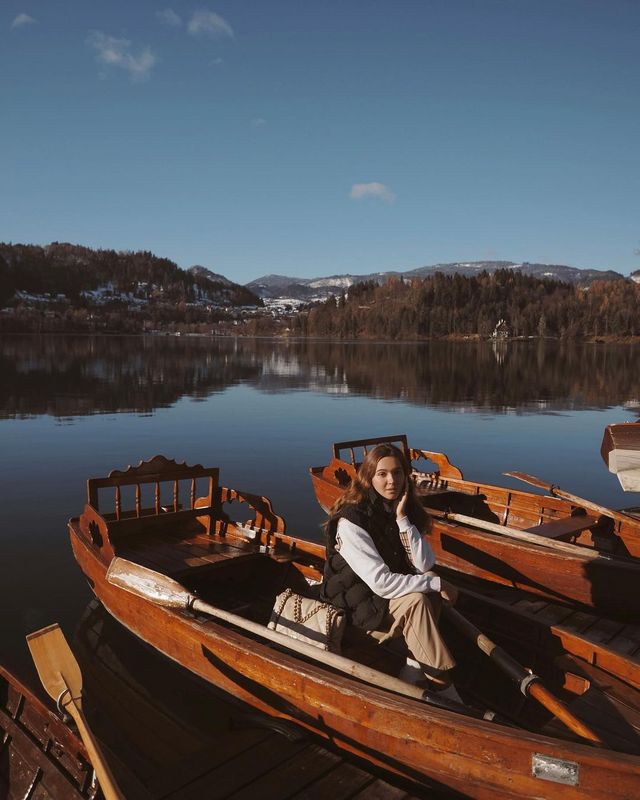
208,23
360,191
117,53
258,122
23,19
169,17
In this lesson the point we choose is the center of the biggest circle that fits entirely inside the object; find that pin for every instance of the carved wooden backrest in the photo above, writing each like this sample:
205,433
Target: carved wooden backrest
265,517
339,472
367,444
158,471
445,469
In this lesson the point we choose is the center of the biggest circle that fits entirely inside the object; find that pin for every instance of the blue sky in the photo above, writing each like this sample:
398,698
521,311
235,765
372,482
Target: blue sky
315,138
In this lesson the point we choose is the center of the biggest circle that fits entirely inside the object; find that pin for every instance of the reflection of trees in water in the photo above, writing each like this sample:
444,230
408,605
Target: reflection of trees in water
68,376
530,375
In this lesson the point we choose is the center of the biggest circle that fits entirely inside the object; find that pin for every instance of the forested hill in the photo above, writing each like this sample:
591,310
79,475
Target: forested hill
82,275
453,305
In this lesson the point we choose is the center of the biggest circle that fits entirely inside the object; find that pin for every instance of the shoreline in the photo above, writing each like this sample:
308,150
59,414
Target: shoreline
284,337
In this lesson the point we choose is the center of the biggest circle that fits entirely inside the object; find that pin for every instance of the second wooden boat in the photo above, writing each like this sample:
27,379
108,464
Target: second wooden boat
548,545
40,757
200,587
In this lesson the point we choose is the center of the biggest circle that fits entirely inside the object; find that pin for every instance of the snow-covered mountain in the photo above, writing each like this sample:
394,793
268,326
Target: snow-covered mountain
309,289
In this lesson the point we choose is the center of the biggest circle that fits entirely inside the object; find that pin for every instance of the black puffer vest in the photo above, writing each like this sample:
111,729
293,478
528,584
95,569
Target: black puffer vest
341,586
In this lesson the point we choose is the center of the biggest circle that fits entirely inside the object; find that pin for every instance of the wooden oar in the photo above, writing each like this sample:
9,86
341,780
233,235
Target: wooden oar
160,589
529,683
61,677
573,498
524,536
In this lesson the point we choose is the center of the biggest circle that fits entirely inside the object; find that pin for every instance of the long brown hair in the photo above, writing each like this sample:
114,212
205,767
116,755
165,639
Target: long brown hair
358,493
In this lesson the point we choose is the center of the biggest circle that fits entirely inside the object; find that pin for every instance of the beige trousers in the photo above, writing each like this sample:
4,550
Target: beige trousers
415,617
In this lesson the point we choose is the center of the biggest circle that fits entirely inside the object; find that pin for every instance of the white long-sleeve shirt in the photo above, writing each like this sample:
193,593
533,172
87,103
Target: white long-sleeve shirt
356,546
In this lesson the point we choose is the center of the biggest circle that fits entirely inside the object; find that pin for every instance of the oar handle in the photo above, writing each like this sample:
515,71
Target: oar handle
105,776
529,684
325,657
154,587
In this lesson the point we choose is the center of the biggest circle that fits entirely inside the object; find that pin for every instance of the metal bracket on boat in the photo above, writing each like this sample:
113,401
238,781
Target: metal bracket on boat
189,604
94,786
526,682
63,714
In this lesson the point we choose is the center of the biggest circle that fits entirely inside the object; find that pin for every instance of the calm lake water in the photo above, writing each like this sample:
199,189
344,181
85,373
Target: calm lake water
264,411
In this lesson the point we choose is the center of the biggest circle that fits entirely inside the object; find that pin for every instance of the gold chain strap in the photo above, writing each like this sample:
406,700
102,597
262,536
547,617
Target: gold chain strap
297,611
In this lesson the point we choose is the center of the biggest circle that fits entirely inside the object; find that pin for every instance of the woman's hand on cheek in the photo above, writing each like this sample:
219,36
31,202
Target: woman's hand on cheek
401,507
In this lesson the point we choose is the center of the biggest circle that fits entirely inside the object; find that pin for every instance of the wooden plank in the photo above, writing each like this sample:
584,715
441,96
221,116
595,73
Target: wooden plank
530,606
381,790
173,782
578,622
626,642
169,557
553,614
565,527
604,630
340,783
287,779
144,550
239,770
21,774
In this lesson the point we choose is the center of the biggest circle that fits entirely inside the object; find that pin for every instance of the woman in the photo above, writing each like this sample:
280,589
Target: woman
378,566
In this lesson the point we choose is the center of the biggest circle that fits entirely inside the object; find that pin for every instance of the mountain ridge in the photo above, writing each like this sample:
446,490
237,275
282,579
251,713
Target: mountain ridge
61,269
319,288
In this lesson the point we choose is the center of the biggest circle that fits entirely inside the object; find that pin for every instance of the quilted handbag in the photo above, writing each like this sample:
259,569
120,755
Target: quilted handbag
311,621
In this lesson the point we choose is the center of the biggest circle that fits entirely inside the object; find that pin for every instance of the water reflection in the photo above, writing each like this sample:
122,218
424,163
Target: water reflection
67,376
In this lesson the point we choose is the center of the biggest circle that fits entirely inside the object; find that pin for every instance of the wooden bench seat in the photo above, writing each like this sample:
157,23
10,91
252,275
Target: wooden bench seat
564,528
177,557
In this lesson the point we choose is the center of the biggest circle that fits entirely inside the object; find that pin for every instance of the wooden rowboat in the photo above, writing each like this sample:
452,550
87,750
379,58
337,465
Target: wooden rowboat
351,700
40,757
566,550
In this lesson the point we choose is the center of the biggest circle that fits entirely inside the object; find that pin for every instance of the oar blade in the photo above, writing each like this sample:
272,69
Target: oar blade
147,583
57,666
60,673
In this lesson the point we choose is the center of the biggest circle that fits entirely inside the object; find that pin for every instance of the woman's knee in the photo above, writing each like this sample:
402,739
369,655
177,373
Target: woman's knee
423,600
